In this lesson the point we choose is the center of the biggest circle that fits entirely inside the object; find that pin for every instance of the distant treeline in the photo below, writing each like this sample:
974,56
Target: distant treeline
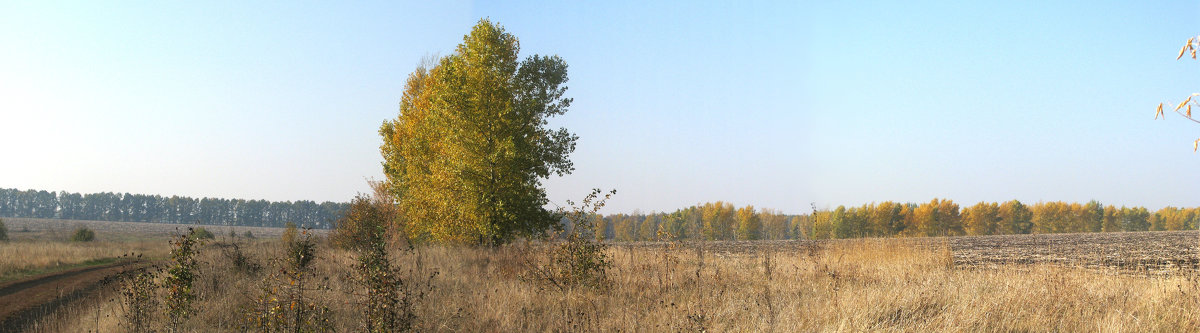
938,217
159,209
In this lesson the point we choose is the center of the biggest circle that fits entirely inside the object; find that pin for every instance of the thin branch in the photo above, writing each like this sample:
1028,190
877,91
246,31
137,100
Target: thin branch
1185,116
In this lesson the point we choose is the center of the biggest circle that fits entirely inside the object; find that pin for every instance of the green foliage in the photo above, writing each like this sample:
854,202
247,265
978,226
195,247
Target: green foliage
201,233
181,276
83,235
126,207
580,260
465,157
675,225
3,231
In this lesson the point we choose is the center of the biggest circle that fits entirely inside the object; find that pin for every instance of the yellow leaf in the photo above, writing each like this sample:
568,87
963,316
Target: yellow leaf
1159,112
1185,48
1195,144
1189,111
1181,104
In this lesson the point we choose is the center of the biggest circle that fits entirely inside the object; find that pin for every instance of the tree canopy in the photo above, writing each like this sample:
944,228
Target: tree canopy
126,207
466,155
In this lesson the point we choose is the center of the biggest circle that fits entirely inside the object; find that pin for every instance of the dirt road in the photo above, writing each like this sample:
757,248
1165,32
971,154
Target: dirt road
23,301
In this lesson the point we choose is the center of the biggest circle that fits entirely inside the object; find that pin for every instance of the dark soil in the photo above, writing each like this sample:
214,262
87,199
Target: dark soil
23,301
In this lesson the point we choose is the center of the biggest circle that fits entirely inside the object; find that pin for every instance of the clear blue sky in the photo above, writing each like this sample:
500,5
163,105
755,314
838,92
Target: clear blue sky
771,104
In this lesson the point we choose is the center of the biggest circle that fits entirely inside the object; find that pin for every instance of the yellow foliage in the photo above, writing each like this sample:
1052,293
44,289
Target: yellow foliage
466,154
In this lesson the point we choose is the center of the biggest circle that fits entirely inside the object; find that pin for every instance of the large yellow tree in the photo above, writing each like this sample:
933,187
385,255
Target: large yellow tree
466,155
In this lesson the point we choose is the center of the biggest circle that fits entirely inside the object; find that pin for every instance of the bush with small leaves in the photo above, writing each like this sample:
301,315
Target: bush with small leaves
139,300
366,216
83,235
388,304
201,233
580,260
358,228
283,303
3,232
180,278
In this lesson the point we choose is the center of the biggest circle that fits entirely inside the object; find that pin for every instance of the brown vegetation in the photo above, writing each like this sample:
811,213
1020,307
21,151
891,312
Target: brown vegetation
24,258
931,284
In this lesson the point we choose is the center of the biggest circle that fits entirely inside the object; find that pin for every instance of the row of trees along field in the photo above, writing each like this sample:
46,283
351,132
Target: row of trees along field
159,209
938,217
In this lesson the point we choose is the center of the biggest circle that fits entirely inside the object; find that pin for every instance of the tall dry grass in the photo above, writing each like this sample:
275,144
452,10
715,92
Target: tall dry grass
862,285
19,258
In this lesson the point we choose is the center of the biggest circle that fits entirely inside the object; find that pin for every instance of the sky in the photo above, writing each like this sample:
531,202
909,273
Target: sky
779,105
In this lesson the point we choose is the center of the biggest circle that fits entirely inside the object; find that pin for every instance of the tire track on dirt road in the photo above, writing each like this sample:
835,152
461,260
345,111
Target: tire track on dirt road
23,301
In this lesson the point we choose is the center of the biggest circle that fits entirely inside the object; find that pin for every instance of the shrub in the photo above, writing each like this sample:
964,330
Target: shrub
388,302
283,303
248,234
179,280
361,226
3,231
385,310
201,233
138,300
240,261
368,216
83,235
301,251
580,260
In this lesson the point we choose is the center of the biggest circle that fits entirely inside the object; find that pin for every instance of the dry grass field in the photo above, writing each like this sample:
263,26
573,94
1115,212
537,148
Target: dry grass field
42,245
60,230
1005,283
